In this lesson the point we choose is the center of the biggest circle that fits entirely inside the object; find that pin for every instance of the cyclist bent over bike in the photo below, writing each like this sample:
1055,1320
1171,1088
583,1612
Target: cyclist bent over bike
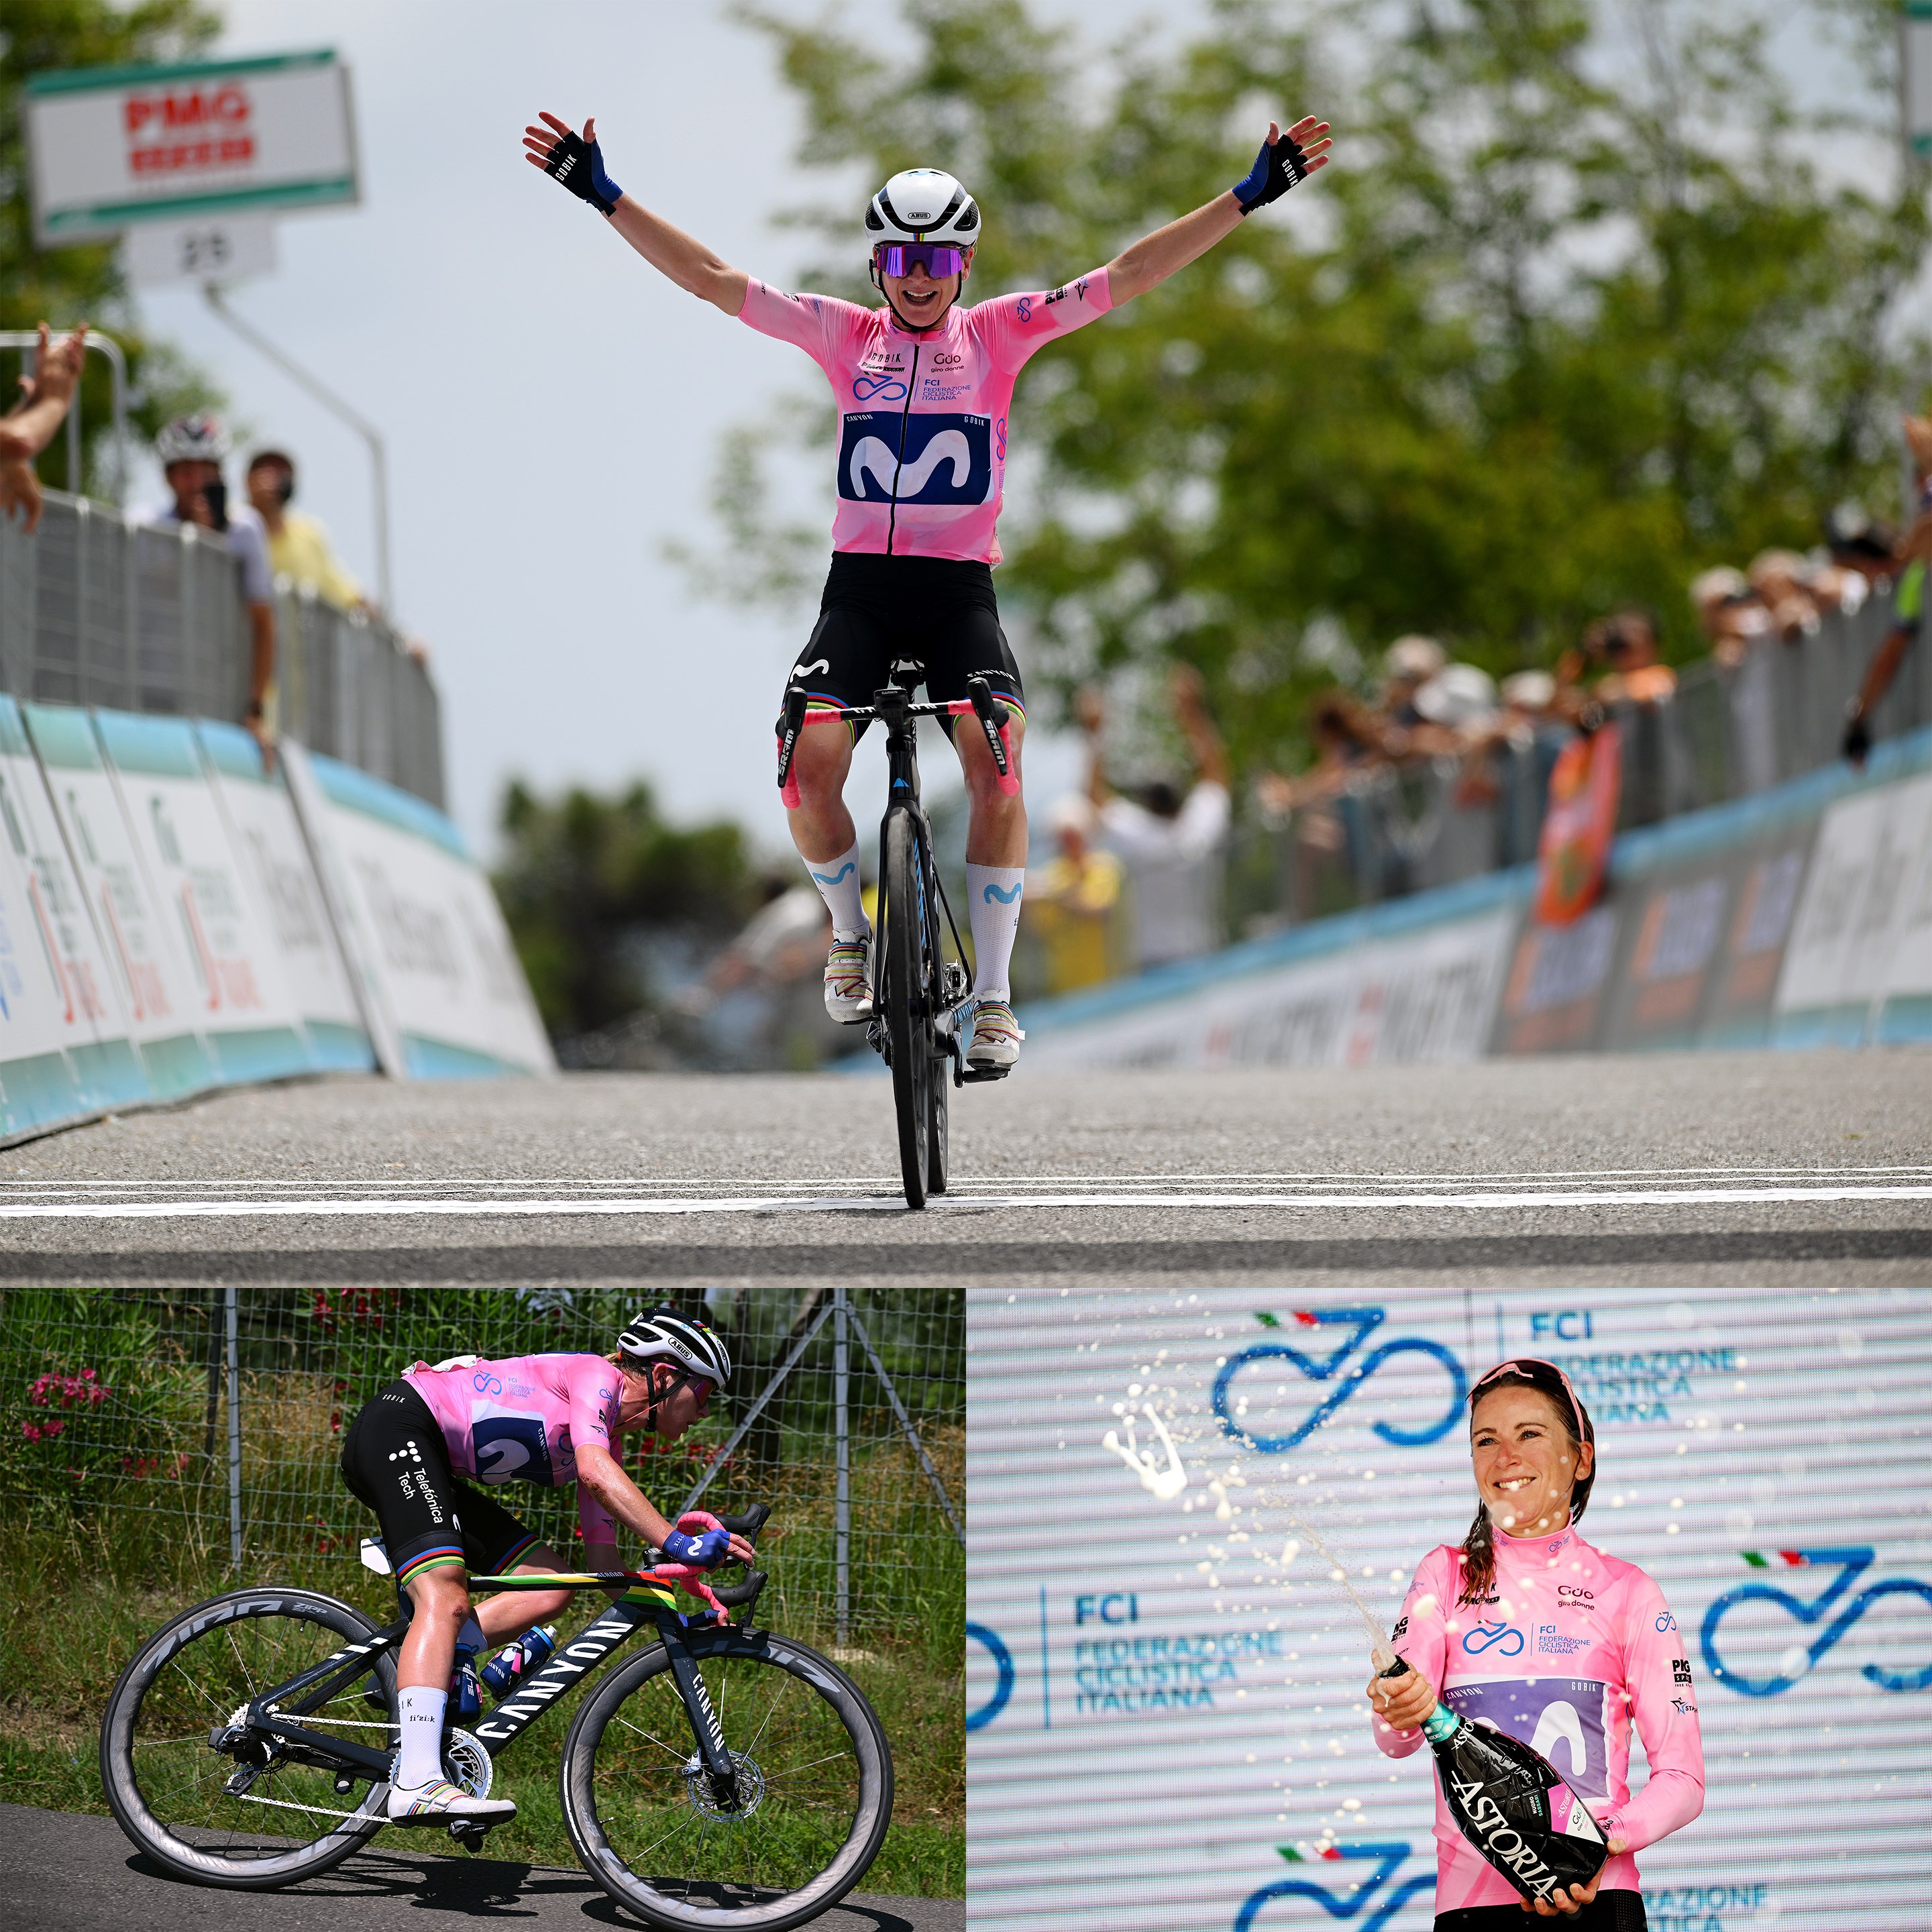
923,386
544,1419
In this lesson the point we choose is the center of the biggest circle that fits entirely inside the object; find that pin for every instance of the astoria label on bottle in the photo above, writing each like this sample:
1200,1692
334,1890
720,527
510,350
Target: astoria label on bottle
1511,1802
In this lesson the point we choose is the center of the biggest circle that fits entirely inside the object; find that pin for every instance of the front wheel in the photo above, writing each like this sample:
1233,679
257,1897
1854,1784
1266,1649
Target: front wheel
197,1810
813,1798
909,1000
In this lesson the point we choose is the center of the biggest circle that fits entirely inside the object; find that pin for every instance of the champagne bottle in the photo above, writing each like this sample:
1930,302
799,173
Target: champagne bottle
1509,1801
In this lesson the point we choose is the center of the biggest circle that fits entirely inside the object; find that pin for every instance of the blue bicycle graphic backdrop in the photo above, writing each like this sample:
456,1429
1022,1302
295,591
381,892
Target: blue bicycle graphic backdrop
1343,1371
1388,1854
1851,1560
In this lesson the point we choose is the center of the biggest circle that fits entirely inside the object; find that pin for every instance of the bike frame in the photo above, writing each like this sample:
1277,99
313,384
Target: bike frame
311,1688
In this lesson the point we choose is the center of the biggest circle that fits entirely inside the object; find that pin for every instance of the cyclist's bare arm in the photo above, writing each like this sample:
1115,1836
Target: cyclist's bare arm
681,257
1150,261
597,1471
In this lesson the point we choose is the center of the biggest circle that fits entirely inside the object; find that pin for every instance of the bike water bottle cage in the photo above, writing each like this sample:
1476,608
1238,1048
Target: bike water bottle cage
1279,166
579,165
938,259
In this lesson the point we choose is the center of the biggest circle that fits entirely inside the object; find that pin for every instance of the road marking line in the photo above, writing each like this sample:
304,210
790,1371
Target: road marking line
360,1209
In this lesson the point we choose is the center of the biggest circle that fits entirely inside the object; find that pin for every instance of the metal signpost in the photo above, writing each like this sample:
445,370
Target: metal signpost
191,165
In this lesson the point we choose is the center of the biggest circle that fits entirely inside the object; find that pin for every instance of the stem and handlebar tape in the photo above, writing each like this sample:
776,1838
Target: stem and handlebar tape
993,713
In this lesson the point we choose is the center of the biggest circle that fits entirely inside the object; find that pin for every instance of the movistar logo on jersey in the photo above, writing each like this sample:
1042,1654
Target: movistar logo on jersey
947,458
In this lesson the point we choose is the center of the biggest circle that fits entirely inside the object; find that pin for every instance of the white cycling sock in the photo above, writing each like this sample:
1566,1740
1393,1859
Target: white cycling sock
993,894
419,1710
841,887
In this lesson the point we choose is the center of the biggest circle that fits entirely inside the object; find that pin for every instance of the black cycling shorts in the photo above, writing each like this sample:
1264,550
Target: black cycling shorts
394,1458
939,613
1608,1911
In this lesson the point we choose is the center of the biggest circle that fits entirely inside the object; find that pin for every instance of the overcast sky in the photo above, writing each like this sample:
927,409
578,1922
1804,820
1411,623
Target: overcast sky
552,408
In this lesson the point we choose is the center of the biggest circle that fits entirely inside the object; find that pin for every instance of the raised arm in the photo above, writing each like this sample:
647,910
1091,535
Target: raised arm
577,162
1284,160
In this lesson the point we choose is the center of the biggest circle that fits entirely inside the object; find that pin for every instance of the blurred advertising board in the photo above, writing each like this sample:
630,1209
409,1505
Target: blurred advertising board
111,148
438,980
1165,1687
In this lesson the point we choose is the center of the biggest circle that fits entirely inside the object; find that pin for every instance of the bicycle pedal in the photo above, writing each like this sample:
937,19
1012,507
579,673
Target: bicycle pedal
974,1073
469,1836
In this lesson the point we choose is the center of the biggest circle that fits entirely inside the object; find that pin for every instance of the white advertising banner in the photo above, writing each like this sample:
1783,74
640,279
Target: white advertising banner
152,979
281,880
1864,927
63,1051
112,147
244,1004
1428,994
422,926
1167,1726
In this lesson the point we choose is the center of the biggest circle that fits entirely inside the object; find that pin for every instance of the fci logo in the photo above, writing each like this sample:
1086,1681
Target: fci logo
1361,1896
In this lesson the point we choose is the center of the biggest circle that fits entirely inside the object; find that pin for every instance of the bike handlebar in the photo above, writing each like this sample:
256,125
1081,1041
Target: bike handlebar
982,702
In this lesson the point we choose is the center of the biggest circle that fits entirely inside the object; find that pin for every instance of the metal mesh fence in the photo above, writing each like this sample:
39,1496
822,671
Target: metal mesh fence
95,609
213,1418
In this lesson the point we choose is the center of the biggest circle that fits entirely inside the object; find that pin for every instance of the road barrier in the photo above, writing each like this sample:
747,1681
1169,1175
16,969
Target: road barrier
1800,915
174,917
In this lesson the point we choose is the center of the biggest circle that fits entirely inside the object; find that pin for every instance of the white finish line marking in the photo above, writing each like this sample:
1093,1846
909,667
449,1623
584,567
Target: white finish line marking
365,1208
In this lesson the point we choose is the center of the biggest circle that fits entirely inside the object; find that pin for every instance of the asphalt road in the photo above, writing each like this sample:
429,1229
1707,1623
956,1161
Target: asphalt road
1765,1168
62,1873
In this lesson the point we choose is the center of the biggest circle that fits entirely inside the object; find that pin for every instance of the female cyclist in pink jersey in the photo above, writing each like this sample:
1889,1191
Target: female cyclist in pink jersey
1526,1626
548,1420
923,385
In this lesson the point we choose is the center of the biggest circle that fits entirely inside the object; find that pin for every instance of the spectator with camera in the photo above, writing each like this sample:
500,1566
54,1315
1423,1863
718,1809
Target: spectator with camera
299,547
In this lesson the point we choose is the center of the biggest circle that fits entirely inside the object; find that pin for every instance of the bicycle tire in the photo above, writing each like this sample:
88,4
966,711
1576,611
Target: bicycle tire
640,1787
137,1777
903,987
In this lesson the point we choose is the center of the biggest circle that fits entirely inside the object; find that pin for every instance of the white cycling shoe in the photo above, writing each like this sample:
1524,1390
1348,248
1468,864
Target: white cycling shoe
439,1802
848,980
995,1044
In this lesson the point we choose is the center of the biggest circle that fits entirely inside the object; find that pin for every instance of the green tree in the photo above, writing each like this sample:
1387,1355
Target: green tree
586,877
65,285
1572,316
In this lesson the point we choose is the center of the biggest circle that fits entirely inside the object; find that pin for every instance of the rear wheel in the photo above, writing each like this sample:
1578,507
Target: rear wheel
905,988
254,1814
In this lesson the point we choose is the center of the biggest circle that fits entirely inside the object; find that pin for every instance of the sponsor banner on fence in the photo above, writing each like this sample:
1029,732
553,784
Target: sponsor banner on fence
1167,1726
440,980
243,1001
64,1049
267,842
1859,965
1426,994
152,979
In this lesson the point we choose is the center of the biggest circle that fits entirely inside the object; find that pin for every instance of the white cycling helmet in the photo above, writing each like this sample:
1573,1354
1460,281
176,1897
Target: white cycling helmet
923,204
195,438
664,1335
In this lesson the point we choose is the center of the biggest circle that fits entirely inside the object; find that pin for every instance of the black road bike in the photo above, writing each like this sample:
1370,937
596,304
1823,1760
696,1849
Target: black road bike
918,986
723,1777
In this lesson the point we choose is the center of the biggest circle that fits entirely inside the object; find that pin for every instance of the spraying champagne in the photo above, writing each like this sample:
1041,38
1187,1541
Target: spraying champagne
1509,1801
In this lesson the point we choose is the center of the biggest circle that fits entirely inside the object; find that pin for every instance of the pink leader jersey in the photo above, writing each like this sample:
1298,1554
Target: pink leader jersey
923,417
524,1420
1568,1645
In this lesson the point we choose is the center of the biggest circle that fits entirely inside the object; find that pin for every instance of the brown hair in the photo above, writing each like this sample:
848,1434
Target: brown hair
1479,1546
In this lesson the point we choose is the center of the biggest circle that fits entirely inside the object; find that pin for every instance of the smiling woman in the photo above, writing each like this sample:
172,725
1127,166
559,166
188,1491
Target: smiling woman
1598,1647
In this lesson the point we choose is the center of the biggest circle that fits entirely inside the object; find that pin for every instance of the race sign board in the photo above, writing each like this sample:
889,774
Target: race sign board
152,979
1167,1726
438,979
113,147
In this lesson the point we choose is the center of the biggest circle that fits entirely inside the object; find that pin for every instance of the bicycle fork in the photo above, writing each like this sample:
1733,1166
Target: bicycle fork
706,1732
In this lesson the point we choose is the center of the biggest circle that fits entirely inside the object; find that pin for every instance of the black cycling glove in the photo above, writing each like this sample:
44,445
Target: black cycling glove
1279,165
579,165
1858,740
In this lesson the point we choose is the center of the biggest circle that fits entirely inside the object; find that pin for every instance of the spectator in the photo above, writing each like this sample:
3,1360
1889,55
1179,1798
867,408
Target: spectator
1408,664
1784,581
1622,648
298,546
191,449
1458,699
1732,614
29,426
1075,910
1859,547
1172,843
1348,739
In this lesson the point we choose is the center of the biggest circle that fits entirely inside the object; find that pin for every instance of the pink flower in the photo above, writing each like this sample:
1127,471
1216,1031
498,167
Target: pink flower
53,1429
28,1430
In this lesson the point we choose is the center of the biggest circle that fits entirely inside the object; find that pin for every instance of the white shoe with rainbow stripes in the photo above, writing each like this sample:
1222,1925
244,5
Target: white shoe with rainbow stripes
439,1802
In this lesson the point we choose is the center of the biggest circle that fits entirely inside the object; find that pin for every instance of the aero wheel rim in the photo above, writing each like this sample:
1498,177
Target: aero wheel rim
778,1832
263,1804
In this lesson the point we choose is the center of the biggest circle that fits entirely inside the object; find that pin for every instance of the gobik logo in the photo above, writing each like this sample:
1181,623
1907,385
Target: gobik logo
1242,1386
1797,1658
1359,1896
